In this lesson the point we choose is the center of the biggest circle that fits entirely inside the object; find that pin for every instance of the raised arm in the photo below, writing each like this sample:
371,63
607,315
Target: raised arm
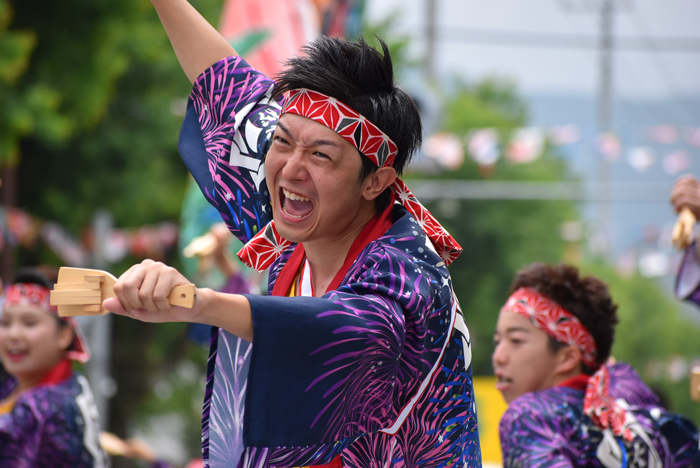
197,44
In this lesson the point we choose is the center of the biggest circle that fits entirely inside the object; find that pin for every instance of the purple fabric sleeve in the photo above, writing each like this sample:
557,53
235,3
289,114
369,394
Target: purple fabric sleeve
688,278
161,464
223,141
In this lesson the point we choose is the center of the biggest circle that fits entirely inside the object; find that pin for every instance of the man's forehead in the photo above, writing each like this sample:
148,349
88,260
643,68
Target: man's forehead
309,131
511,322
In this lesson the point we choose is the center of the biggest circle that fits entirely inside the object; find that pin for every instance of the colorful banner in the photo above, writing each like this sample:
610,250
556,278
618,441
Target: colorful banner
269,33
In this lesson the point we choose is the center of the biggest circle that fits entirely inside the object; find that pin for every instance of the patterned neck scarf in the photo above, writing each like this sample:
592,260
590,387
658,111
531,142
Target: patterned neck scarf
565,328
30,294
267,245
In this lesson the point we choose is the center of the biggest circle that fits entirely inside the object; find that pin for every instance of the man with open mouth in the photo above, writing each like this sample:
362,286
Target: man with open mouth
360,357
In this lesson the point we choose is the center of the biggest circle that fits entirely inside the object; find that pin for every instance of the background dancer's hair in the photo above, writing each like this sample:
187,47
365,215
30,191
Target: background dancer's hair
32,275
361,77
587,298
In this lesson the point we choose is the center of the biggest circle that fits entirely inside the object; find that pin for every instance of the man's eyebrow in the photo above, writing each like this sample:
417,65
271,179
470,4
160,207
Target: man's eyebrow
284,129
517,329
313,143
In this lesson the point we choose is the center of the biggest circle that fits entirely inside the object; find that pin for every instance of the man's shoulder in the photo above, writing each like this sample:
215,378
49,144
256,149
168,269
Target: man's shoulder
555,403
626,384
407,240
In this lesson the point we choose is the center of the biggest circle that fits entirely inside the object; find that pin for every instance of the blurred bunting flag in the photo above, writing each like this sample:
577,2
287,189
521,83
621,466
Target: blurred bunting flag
483,146
269,33
525,145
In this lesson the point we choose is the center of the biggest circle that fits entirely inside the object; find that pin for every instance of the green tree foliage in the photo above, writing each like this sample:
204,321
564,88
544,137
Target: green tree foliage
91,102
498,237
116,77
25,109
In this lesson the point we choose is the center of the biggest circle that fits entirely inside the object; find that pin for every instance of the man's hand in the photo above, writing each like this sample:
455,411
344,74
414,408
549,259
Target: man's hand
686,192
142,293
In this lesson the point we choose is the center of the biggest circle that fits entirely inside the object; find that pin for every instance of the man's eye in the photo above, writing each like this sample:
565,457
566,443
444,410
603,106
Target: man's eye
322,155
281,140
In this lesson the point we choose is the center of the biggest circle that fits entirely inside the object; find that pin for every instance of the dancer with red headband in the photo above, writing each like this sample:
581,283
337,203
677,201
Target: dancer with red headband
361,357
567,407
47,412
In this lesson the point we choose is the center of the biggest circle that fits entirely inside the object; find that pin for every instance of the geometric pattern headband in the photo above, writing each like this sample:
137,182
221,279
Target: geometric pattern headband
556,322
265,247
32,294
28,294
565,328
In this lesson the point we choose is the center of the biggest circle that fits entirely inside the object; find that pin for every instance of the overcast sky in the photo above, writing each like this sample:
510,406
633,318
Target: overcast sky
641,73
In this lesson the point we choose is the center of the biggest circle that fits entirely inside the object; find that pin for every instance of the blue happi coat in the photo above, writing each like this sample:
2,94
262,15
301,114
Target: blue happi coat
377,371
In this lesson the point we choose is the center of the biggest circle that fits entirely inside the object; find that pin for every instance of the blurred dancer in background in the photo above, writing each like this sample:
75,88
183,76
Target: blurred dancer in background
47,412
686,194
568,406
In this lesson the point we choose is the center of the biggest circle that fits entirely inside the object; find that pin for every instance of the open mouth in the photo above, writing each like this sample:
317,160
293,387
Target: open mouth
295,205
502,382
16,355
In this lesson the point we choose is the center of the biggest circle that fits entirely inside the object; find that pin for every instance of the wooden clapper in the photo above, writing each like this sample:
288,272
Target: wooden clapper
80,291
683,230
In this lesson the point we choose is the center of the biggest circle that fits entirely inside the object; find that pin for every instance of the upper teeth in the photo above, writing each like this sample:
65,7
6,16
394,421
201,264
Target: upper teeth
293,196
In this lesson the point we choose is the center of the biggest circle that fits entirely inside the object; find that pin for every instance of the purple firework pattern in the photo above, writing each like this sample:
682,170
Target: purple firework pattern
549,429
329,375
232,114
225,437
51,425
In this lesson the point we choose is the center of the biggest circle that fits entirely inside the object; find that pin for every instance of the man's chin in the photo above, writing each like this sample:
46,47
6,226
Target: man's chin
292,235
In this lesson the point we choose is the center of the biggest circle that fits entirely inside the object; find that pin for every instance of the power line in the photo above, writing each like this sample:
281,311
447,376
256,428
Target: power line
619,192
667,76
513,38
624,66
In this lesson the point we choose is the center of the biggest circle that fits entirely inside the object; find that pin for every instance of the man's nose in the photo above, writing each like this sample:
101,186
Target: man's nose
295,166
499,356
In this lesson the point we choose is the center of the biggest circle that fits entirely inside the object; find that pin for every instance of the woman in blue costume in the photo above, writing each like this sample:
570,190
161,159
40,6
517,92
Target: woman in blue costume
363,358
48,415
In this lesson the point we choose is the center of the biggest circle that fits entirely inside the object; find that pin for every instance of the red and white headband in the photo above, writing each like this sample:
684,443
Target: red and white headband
554,320
267,245
31,294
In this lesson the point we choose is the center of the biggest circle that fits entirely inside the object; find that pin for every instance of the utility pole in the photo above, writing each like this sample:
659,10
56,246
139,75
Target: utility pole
605,111
430,14
99,365
606,9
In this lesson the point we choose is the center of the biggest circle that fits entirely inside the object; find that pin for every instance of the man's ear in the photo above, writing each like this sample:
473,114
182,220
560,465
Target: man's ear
377,182
569,359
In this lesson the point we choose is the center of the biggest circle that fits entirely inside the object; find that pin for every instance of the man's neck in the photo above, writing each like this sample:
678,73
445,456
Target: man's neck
558,379
326,256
